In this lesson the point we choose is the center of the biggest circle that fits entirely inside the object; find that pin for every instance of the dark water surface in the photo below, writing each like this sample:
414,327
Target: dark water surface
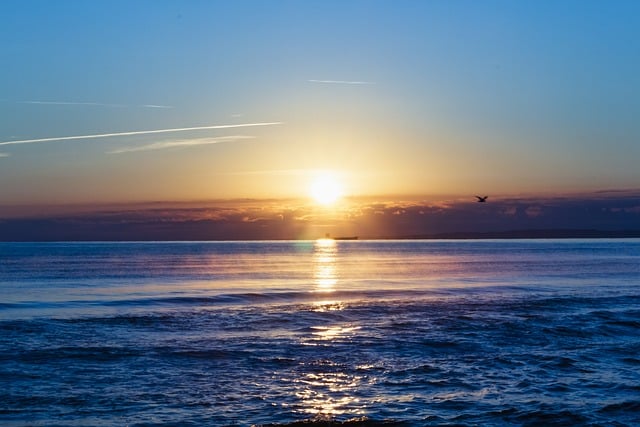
419,333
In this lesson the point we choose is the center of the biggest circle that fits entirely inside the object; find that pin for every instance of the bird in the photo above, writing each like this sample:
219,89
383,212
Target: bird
482,199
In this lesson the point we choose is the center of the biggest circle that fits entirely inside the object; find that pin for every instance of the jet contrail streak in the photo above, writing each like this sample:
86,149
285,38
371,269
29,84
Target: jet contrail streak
139,132
342,82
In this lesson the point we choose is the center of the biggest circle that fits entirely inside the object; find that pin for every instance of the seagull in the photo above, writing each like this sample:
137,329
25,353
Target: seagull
482,199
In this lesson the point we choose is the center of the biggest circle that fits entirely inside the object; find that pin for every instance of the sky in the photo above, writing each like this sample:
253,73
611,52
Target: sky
112,103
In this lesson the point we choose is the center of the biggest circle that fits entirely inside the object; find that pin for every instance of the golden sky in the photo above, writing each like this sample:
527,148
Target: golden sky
200,101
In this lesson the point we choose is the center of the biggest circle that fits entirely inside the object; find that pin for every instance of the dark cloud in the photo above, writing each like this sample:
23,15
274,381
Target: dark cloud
608,212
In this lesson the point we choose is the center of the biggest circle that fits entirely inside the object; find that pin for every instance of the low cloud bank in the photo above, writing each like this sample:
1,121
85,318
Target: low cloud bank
611,214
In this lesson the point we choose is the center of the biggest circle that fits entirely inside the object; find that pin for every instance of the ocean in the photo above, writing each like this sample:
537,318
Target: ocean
406,333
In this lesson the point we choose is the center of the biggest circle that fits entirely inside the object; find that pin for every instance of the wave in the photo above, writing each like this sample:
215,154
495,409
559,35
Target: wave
276,297
630,406
515,297
355,422
90,353
231,299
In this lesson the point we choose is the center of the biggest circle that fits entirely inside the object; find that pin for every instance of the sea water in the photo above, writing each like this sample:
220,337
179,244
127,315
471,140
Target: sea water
469,333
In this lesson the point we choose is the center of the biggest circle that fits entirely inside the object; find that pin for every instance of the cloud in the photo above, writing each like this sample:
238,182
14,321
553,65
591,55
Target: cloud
577,216
341,82
156,106
279,172
142,132
180,143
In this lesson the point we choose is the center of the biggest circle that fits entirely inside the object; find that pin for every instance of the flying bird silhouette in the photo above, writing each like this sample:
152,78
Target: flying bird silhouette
482,199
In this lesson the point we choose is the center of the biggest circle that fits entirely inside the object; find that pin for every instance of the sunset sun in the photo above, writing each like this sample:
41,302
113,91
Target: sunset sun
325,189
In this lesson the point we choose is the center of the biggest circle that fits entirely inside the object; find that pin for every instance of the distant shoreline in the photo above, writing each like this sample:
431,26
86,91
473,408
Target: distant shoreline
490,235
529,234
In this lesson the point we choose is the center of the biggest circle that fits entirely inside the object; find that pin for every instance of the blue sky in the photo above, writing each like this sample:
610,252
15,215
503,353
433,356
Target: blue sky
399,97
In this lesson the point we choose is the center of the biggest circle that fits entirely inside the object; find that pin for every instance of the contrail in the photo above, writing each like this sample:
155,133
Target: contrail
93,104
180,143
139,132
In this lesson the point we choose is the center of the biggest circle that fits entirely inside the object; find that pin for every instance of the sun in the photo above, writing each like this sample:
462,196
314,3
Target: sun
325,189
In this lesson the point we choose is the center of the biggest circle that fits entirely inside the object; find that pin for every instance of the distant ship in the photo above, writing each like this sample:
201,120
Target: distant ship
328,236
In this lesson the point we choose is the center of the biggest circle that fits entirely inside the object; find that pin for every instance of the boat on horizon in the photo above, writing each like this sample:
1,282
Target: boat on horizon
328,236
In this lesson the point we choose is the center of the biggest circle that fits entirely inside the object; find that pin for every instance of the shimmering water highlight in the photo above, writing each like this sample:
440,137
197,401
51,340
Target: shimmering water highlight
240,333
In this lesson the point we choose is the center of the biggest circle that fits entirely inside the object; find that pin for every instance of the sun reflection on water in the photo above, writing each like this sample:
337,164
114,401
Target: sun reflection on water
335,332
325,390
325,276
329,394
328,305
